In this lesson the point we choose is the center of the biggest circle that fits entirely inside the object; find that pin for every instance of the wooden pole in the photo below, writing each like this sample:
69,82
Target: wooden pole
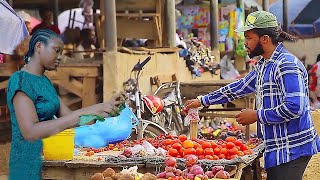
265,5
55,11
285,15
214,21
110,25
171,22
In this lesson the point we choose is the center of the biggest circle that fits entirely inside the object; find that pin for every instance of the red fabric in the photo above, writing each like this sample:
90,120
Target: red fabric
53,28
2,58
314,78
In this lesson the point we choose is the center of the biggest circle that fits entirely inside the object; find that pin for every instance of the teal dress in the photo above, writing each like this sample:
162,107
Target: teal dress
25,156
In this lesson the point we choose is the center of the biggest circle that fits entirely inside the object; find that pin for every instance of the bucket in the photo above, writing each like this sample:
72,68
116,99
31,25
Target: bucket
59,146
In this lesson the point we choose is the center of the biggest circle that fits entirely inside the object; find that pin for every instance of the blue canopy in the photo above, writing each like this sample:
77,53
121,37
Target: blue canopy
12,28
303,15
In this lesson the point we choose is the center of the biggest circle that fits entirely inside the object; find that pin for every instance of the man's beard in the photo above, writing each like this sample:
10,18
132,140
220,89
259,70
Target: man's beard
257,51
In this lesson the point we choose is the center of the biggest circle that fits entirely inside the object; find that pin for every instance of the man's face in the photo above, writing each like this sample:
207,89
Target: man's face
47,16
253,44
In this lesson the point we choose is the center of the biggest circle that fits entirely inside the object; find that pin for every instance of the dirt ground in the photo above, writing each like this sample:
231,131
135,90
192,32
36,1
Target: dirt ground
313,169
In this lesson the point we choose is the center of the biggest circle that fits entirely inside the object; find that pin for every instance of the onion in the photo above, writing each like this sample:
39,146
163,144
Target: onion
161,175
191,160
170,174
209,174
222,175
190,176
196,169
170,169
215,169
171,161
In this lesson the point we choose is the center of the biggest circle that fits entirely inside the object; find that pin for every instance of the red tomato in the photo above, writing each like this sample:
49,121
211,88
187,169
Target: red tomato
215,157
182,137
244,147
230,145
201,157
189,151
173,152
208,157
213,144
222,156
247,152
208,151
199,151
167,142
233,156
238,142
224,151
240,153
196,145
181,151
233,151
216,151
231,139
177,146
206,145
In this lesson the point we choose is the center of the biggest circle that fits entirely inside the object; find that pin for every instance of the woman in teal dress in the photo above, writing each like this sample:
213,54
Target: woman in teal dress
33,103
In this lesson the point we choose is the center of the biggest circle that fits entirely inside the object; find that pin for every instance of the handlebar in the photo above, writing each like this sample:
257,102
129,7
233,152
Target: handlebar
139,66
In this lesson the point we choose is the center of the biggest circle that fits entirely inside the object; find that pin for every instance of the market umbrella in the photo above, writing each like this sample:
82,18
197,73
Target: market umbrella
302,15
18,31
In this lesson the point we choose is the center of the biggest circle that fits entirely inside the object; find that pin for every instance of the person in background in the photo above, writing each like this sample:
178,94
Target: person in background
46,23
314,84
36,111
87,43
27,19
280,82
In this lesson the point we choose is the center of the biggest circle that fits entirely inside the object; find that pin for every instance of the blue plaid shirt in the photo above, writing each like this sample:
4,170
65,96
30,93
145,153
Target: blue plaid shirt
282,103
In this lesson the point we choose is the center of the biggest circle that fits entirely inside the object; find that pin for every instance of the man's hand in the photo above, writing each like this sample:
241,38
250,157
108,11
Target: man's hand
190,104
246,116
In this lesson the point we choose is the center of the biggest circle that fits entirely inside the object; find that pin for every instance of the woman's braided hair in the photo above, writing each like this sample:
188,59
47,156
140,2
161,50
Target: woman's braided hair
276,34
41,35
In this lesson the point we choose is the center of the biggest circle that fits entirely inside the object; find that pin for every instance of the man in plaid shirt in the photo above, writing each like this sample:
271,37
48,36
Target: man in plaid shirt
280,82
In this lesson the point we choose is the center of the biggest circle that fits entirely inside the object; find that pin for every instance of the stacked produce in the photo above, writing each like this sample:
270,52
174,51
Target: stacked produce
125,174
193,170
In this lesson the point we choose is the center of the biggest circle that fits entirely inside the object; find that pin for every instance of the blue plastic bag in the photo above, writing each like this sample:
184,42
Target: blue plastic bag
111,130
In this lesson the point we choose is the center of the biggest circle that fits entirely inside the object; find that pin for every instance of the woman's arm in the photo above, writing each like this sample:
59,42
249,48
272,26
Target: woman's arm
32,129
64,109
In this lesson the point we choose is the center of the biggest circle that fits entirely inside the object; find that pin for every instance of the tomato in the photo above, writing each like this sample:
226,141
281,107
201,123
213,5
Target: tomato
182,137
208,157
230,145
222,156
201,157
189,151
208,151
224,151
213,144
167,142
169,136
244,147
181,151
199,151
238,142
215,157
233,156
173,152
240,153
206,145
216,151
188,144
233,151
177,146
247,152
176,141
231,139
196,145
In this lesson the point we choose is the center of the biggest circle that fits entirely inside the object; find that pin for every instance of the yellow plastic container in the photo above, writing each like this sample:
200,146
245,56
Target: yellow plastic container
59,146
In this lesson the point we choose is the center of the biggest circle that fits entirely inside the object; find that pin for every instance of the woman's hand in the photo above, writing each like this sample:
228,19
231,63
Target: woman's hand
107,108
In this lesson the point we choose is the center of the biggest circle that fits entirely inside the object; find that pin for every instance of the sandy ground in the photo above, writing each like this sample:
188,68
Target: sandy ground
313,169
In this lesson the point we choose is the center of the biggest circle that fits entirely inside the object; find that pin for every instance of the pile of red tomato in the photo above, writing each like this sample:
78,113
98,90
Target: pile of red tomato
181,147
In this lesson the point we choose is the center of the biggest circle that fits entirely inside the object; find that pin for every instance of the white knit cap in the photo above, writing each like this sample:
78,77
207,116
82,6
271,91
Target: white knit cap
25,16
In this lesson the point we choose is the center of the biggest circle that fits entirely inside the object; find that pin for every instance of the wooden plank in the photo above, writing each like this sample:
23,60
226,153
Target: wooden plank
138,29
3,84
136,5
88,92
137,15
57,173
74,71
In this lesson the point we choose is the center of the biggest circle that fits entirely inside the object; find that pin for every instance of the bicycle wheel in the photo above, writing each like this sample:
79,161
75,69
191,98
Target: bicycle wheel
151,131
